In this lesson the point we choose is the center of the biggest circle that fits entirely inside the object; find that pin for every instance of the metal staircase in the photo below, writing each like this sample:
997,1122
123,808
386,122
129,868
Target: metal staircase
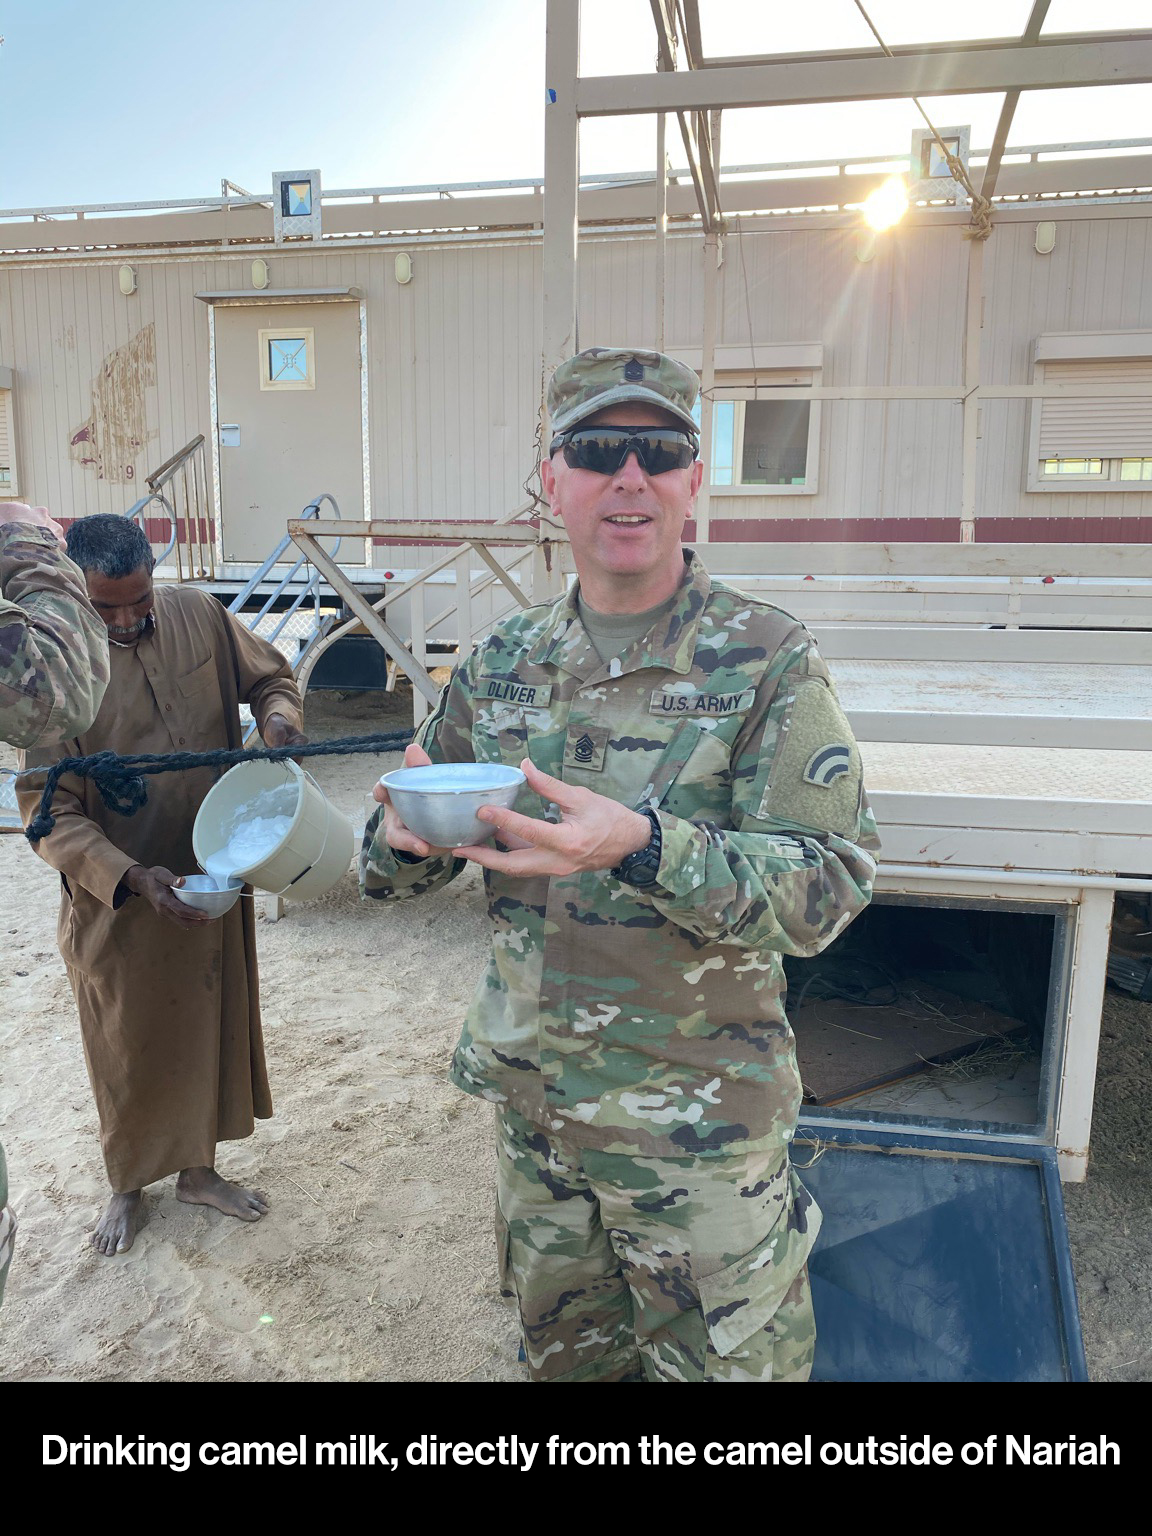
296,608
309,604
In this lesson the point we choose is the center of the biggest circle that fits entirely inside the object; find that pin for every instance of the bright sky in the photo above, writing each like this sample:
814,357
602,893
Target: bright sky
128,100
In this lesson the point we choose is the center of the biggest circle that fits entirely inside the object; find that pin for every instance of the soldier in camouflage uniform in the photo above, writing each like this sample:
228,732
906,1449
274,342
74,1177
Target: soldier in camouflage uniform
53,671
53,647
693,810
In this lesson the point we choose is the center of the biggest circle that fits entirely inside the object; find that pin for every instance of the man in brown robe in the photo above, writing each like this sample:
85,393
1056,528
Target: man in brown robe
167,997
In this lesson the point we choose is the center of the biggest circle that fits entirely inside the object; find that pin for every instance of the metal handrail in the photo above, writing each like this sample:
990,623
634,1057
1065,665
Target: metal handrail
310,512
411,655
588,180
168,469
309,589
197,511
138,508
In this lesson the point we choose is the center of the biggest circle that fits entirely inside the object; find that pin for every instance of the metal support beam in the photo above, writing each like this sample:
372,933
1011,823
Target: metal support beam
1030,36
699,151
561,181
666,39
425,532
1044,66
661,228
500,574
693,41
713,259
971,407
305,536
698,147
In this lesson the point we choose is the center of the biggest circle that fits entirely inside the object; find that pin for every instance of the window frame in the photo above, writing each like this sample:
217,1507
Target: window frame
742,394
287,333
745,374
1087,347
1108,479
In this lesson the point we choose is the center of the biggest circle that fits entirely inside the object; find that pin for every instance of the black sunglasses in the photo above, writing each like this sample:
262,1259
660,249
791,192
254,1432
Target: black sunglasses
604,450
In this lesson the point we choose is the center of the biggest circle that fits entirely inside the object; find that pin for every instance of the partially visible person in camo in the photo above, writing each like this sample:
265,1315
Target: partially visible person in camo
53,646
53,671
693,811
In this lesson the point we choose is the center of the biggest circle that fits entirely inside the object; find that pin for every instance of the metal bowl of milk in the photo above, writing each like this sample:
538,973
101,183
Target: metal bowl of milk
439,802
203,893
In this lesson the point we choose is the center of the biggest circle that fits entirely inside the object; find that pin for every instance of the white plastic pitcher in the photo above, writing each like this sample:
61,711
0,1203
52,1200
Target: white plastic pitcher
314,853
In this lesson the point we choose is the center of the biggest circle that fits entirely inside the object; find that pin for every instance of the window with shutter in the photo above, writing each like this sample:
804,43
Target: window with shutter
1093,440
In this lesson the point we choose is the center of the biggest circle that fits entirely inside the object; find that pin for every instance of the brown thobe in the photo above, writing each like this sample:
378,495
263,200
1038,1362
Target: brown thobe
170,1016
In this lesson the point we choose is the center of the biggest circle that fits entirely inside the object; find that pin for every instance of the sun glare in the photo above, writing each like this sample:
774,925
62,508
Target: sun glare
887,205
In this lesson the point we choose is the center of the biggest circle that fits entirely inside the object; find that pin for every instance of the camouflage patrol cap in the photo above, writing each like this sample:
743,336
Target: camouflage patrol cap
604,376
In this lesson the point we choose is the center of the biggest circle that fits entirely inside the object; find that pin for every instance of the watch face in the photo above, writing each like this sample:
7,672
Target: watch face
640,868
644,872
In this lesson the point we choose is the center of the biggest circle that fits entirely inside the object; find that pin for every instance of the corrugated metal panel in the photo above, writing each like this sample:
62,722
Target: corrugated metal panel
1097,427
454,359
1098,278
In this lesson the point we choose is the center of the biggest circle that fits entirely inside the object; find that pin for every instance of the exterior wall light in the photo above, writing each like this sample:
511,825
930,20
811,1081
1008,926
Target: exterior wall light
403,267
1045,238
259,273
127,280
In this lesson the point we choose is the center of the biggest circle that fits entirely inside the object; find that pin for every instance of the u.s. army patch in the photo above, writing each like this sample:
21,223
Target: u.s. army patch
680,701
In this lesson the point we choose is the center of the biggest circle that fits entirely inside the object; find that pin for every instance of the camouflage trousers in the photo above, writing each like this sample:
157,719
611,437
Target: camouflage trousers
630,1268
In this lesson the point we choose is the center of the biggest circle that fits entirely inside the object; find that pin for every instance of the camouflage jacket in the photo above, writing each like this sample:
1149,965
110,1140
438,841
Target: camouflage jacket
652,1020
53,646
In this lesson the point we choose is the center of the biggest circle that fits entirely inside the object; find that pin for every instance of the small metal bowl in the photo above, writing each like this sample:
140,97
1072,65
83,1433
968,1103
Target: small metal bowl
202,892
439,802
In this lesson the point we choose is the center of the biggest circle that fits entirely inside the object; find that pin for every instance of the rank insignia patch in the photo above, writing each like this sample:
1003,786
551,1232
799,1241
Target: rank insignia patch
585,747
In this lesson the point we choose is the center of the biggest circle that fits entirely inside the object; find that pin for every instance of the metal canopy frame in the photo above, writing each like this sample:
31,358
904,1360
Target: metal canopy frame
696,88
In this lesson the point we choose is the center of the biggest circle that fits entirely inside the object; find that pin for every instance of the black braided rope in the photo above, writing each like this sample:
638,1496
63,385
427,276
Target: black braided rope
120,780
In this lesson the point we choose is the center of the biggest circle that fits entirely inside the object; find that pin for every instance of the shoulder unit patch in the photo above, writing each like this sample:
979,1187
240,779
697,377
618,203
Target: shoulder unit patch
827,764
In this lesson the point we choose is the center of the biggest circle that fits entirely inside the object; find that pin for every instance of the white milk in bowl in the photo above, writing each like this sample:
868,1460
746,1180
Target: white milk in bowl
255,830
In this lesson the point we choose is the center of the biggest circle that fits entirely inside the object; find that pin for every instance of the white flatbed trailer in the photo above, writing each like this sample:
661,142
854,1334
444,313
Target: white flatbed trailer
1013,766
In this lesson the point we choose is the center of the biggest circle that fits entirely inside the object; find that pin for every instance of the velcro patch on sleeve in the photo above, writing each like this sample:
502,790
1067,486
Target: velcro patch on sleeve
815,780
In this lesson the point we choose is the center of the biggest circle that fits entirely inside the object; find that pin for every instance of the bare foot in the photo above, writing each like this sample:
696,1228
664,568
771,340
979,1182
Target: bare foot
204,1186
116,1229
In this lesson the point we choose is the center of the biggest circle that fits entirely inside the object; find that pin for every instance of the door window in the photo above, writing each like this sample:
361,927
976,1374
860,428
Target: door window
287,359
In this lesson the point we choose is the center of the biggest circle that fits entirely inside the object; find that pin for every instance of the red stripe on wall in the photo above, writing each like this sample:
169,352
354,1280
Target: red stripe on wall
927,530
159,530
832,530
1064,530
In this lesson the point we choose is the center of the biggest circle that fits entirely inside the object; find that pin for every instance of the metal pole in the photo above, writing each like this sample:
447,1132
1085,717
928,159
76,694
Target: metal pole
971,424
409,660
661,227
561,182
713,259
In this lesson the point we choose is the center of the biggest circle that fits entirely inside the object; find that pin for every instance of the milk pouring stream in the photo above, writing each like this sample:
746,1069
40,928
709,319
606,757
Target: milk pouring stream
257,828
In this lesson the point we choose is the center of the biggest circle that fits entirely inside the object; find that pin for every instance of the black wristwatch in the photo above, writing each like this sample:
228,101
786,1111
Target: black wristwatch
640,868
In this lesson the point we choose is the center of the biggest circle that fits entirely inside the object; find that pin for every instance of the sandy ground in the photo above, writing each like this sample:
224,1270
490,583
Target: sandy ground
376,1262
